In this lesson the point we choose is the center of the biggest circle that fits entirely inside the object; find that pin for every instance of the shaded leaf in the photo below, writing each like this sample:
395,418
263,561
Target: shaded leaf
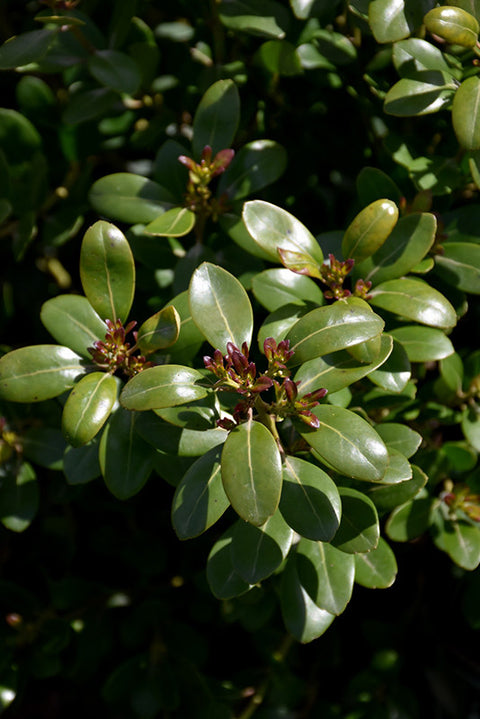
73,322
129,198
19,498
423,344
217,117
258,551
359,530
256,165
326,573
160,331
224,582
277,287
388,496
459,265
395,372
115,70
466,113
177,222
410,520
459,539
376,569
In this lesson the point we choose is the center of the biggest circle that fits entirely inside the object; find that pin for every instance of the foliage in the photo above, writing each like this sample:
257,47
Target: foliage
270,354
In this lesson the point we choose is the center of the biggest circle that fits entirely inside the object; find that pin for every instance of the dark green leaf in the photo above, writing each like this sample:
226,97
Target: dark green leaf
160,331
115,70
224,582
400,437
373,184
359,529
471,426
163,386
466,113
376,569
217,117
429,92
459,265
410,520
423,344
19,498
279,57
326,573
180,441
88,105
395,372
388,496
88,407
258,551
459,539
25,48
414,56
44,446
129,198
270,19
399,468
257,164
81,464
73,322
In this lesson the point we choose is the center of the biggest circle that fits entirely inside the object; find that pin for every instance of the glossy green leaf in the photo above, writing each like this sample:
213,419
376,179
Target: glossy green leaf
224,582
359,530
39,372
303,619
453,24
26,48
388,496
300,262
414,299
199,499
368,351
459,539
277,287
459,265
348,443
407,245
115,70
429,92
199,415
275,229
333,327
88,407
376,569
107,271
217,117
310,502
220,307
414,56
423,344
163,386
190,338
258,551
256,165
279,57
452,372
372,184
252,472
392,20
399,437
43,446
81,464
399,468
410,520
183,442
19,498
466,114
126,460
270,19
304,9
278,324
73,322
129,198
395,372
369,229
338,370
160,331
326,573
177,222
437,174
471,426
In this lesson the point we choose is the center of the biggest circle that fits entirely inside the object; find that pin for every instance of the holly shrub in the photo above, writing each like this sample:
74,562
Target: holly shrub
240,374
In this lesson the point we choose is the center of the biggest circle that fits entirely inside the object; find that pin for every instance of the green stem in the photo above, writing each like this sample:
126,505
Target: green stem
268,420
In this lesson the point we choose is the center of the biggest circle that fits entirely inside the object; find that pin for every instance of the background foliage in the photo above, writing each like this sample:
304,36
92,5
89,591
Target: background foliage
214,134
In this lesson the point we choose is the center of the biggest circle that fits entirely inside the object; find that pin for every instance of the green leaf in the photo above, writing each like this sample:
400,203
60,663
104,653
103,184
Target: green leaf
224,582
252,472
459,265
359,529
220,307
459,539
19,498
414,56
88,407
199,415
326,573
310,502
44,446
277,287
453,24
160,331
115,70
125,458
258,551
470,426
39,372
270,19
73,322
399,437
177,222
277,324
235,228
275,229
466,114
303,619
430,91
407,245
423,344
372,184
26,48
414,299
369,229
81,464
199,499
256,165
399,468
392,20
279,57
88,105
179,441
217,117
333,327
348,443
190,338
388,496
410,520
107,271
376,569
395,372
129,198
162,386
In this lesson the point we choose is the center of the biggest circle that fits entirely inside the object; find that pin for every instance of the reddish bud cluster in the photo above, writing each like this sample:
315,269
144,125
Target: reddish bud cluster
235,371
333,274
463,499
115,353
198,197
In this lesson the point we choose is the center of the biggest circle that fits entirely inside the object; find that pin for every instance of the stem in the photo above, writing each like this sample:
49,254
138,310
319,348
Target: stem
218,34
268,420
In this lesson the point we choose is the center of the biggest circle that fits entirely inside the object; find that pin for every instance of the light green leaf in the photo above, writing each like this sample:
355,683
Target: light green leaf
376,569
423,344
471,426
252,472
459,539
310,502
392,20
395,372
73,322
359,529
177,222
279,57
39,372
258,551
348,443
414,299
369,229
160,331
430,91
163,386
220,307
129,198
326,573
107,271
88,407
277,287
217,117
399,437
459,265
453,24
399,468
466,114
270,19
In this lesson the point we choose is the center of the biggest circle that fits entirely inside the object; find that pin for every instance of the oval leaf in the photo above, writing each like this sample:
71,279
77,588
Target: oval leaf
252,472
162,386
453,24
107,271
258,551
129,198
217,117
326,573
388,496
278,287
459,265
359,528
423,344
376,569
369,229
224,582
257,165
415,300
160,331
220,307
303,619
115,70
177,222
466,113
88,407
73,322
